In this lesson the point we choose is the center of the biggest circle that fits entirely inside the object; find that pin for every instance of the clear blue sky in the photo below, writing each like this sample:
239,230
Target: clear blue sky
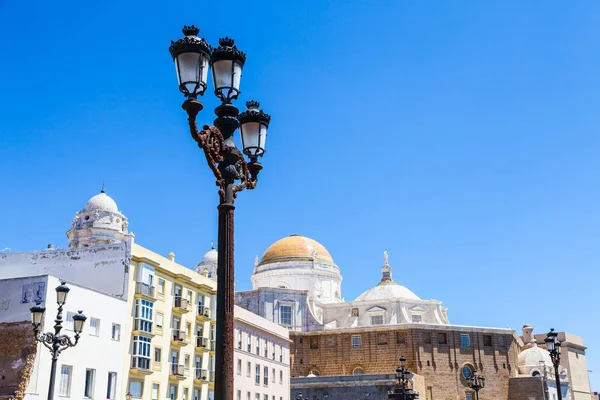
461,136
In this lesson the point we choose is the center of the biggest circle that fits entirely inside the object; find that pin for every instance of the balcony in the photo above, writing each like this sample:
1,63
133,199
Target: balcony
202,344
144,290
201,376
179,338
142,327
181,305
203,313
140,366
178,372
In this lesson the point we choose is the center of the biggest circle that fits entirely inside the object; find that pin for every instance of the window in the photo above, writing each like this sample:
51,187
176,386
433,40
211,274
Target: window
161,286
239,366
88,390
273,379
468,396
257,346
381,338
249,343
356,341
197,394
157,354
248,369
416,318
116,332
185,393
256,396
94,326
69,321
501,341
111,387
358,371
314,343
280,377
467,371
155,391
257,377
143,315
465,340
173,392
266,397
135,388
331,341
141,352
239,395
427,337
248,395
285,315
64,388
266,349
159,320
400,338
314,372
376,319
442,338
266,376
355,312
487,340
239,338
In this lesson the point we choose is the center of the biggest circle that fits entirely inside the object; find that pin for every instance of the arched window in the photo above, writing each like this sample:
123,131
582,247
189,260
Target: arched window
535,373
467,371
358,371
314,372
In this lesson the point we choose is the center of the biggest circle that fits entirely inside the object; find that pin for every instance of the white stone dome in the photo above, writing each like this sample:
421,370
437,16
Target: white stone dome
529,360
386,292
211,257
102,202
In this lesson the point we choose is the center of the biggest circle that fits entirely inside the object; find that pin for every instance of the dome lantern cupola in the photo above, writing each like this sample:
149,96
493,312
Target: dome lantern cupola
209,263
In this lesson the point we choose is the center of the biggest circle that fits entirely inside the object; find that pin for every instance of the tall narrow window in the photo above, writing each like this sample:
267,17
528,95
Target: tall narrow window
88,390
465,340
94,326
69,321
155,390
143,315
111,387
356,341
266,376
257,377
248,369
161,286
249,343
239,366
172,392
116,332
64,388
285,315
159,320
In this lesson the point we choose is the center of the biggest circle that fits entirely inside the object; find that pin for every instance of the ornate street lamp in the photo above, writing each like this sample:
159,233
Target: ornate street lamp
228,164
402,391
553,345
476,382
55,342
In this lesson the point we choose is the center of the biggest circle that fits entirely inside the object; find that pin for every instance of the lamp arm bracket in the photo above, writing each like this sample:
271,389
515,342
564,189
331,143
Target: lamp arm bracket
66,342
47,339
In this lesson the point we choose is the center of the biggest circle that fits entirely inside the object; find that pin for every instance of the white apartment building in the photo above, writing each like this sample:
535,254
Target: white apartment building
93,369
262,358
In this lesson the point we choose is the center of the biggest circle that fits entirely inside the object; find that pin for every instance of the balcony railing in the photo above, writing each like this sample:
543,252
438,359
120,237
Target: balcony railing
203,342
178,370
142,325
201,374
179,335
182,303
142,363
144,289
204,311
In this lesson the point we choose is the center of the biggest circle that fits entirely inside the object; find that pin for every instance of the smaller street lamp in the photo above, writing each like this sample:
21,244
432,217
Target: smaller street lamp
402,391
227,62
553,345
476,382
55,342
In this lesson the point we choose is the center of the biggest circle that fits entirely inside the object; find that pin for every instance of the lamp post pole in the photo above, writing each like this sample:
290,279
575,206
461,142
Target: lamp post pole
476,382
55,342
192,57
553,345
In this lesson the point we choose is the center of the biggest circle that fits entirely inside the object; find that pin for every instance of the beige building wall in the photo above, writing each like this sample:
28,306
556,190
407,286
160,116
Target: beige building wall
171,352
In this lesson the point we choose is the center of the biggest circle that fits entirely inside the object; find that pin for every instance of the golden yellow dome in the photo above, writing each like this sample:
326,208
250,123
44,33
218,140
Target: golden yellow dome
296,248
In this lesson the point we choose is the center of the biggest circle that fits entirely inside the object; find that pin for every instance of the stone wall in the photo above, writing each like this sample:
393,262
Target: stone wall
493,352
526,388
17,356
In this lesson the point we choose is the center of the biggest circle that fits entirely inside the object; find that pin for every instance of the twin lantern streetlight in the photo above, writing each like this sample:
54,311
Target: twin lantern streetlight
193,57
553,345
55,342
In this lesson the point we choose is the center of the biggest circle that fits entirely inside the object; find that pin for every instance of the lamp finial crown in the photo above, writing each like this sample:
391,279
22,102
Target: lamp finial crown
190,30
252,105
226,42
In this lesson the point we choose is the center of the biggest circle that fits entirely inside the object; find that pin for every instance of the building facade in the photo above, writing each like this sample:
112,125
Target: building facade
93,368
262,358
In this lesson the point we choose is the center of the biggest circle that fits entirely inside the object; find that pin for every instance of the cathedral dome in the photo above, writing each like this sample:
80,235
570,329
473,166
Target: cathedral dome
387,292
102,202
296,248
530,359
210,257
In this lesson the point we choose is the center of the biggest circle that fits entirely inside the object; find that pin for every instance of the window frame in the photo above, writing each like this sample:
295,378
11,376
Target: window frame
465,340
356,341
69,375
116,328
